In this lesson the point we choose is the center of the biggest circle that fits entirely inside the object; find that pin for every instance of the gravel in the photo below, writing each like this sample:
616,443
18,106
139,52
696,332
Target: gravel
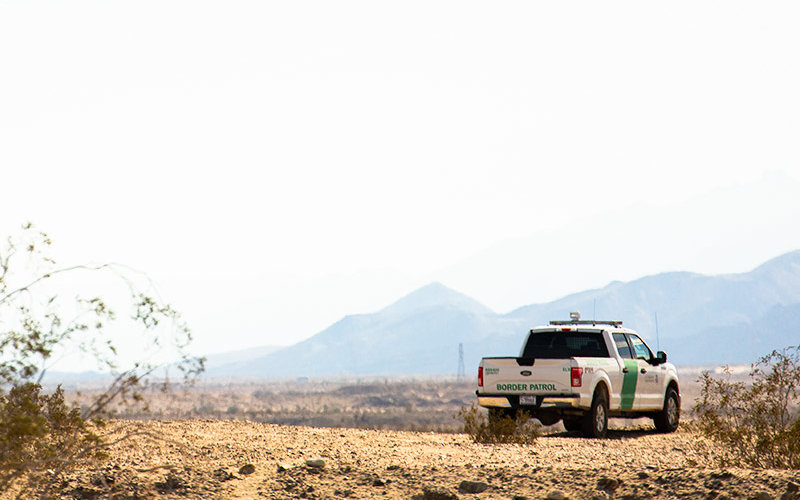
305,462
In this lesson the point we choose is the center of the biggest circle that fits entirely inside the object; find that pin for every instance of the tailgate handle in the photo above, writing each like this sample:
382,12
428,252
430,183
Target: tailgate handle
625,370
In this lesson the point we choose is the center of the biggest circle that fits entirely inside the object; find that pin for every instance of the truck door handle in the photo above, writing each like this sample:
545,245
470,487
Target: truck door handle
625,370
643,370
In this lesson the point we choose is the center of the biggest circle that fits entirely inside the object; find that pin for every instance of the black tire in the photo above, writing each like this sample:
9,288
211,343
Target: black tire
595,423
668,418
572,424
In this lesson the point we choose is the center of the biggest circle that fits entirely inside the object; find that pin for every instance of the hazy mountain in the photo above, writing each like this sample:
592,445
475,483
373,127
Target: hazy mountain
414,335
693,307
218,364
702,319
747,341
226,359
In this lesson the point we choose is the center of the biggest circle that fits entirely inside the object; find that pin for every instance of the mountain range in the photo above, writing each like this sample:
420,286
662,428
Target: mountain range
697,319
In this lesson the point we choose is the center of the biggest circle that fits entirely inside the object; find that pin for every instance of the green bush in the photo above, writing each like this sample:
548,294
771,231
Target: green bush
500,426
758,421
43,437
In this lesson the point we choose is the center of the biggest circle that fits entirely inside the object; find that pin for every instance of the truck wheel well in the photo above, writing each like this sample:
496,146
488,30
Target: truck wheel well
674,385
600,388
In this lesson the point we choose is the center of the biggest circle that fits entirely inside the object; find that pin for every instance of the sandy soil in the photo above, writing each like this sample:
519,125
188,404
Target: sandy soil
238,459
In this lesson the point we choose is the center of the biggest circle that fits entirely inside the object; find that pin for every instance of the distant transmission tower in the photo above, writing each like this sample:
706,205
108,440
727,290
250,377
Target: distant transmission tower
461,374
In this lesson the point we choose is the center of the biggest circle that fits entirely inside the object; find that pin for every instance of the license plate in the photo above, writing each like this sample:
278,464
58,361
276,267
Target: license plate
527,400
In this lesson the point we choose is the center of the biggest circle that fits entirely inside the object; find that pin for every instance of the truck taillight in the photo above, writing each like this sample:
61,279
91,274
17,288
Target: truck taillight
480,376
576,376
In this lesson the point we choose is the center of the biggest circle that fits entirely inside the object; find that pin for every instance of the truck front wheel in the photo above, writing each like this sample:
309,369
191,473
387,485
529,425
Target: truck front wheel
667,419
595,423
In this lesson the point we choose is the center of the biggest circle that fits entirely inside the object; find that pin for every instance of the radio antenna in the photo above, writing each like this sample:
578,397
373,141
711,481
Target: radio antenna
594,309
658,344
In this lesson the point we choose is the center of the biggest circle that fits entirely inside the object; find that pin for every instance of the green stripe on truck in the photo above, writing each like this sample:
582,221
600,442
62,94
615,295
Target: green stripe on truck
629,383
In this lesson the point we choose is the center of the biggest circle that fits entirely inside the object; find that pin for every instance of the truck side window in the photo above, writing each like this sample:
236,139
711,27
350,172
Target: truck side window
622,346
640,348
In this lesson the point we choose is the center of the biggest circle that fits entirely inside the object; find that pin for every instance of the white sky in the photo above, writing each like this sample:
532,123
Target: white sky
277,165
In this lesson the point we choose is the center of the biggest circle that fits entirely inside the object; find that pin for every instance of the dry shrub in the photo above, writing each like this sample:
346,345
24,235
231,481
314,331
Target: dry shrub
500,426
757,422
50,310
42,437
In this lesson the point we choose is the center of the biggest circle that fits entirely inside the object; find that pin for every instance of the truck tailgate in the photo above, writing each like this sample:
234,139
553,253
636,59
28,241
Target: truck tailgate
512,376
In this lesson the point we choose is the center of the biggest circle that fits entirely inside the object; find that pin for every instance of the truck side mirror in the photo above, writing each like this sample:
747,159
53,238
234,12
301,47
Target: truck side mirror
661,357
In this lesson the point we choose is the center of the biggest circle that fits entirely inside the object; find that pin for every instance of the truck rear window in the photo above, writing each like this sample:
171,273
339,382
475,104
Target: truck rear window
556,345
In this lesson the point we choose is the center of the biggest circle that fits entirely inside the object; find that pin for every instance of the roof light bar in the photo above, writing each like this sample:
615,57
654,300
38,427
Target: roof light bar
586,322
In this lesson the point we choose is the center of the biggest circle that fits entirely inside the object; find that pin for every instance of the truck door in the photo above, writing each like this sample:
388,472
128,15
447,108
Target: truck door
629,374
648,390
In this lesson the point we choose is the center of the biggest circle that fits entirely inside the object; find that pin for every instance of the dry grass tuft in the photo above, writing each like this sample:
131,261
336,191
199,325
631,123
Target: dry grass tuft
499,426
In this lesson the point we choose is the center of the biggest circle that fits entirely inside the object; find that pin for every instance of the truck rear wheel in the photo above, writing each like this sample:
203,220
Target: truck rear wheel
667,419
595,423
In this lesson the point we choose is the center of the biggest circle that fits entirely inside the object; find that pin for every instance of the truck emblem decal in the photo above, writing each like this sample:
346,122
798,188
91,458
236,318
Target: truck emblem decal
525,373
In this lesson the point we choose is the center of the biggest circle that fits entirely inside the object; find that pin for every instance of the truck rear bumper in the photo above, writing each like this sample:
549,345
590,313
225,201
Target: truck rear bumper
555,401
494,402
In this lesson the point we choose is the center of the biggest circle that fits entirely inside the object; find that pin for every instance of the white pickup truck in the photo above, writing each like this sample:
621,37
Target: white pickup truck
582,372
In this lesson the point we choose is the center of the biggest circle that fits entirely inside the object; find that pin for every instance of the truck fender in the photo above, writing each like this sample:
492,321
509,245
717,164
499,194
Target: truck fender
604,379
672,379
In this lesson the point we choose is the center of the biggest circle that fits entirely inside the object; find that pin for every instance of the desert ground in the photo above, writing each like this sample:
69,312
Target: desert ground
392,439
251,460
